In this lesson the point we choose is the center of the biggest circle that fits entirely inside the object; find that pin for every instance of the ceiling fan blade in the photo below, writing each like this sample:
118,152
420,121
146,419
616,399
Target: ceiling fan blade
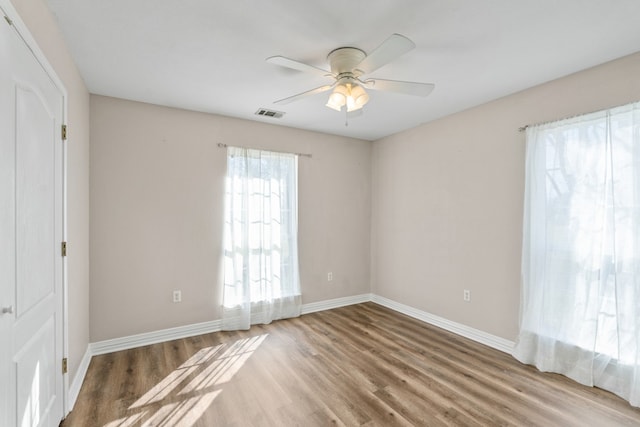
408,88
295,65
303,95
390,49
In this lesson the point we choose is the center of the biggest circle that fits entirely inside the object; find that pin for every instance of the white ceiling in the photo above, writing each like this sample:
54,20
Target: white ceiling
209,55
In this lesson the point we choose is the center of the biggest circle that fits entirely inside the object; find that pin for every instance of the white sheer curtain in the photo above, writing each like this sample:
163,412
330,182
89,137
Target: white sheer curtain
580,307
261,280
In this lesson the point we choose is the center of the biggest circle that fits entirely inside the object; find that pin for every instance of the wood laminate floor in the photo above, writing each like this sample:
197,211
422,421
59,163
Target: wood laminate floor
357,365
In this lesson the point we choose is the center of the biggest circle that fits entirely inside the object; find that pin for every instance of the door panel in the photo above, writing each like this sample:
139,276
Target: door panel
35,205
31,231
36,390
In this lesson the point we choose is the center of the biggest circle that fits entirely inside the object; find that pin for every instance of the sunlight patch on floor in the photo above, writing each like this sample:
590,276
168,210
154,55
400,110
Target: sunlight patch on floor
207,369
175,378
183,413
226,366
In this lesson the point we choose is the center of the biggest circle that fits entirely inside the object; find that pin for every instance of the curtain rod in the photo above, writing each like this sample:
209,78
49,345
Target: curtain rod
221,145
523,128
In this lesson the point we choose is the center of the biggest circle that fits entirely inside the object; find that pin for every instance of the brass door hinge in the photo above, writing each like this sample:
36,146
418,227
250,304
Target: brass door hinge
64,132
64,365
63,248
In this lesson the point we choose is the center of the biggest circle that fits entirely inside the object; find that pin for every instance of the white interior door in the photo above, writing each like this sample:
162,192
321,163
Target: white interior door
31,230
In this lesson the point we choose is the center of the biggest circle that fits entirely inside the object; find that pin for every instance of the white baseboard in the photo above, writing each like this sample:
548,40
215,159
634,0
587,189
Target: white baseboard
147,338
334,303
492,341
76,384
139,340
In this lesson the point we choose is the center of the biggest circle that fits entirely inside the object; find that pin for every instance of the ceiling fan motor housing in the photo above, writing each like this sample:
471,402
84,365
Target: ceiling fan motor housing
344,60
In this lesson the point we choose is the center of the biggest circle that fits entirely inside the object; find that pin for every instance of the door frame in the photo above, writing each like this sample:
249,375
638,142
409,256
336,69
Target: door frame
7,8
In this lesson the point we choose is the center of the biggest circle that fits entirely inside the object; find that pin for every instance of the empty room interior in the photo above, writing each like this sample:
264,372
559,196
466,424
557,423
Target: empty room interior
320,213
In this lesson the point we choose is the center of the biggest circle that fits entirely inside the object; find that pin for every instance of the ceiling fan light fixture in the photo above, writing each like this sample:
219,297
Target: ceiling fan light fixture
351,95
338,97
351,105
359,98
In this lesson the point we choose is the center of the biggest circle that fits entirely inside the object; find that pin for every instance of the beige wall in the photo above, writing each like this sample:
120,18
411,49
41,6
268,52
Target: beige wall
157,179
447,199
438,207
44,29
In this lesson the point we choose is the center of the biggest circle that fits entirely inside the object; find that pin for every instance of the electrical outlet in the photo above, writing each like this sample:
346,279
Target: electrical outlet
177,296
329,276
466,295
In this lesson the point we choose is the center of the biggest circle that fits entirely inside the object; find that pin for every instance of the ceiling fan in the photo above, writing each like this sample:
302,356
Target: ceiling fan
348,66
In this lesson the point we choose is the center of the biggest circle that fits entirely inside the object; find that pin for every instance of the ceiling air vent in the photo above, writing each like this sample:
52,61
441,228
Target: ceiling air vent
269,113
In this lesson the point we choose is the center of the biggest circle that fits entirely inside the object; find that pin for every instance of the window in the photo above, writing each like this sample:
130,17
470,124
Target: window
581,250
261,280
